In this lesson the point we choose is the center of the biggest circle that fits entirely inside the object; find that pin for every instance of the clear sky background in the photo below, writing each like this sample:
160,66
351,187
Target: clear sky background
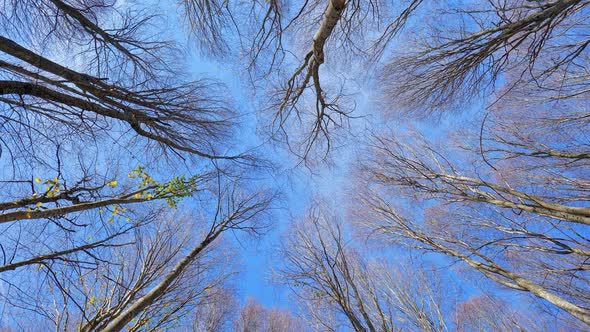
298,184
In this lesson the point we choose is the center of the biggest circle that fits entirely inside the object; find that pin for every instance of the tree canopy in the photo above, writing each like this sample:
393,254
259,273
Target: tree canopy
401,165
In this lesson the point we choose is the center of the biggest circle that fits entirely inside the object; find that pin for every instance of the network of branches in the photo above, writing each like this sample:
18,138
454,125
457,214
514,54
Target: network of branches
130,182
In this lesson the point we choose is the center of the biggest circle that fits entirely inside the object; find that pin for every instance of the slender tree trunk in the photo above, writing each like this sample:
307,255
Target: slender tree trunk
331,17
126,316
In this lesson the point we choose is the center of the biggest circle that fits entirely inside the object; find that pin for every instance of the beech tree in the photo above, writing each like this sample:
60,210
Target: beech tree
104,129
94,100
288,45
233,212
507,196
515,223
255,317
511,202
216,313
428,56
340,287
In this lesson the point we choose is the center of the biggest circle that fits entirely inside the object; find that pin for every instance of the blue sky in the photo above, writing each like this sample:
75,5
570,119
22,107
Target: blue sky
300,185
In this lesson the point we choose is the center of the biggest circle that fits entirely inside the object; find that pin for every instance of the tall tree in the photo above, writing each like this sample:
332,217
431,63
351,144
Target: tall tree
90,87
340,287
519,215
254,317
428,56
507,193
295,53
89,90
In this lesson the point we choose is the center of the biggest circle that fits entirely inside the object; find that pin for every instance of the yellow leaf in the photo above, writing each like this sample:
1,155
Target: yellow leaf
113,183
38,204
138,195
37,180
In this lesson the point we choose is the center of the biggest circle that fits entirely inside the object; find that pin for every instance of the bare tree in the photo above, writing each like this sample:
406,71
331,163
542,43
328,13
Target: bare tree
288,45
131,272
217,312
234,211
115,40
330,277
456,53
88,87
462,55
507,192
453,53
524,236
177,117
254,317
85,88
166,270
483,313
